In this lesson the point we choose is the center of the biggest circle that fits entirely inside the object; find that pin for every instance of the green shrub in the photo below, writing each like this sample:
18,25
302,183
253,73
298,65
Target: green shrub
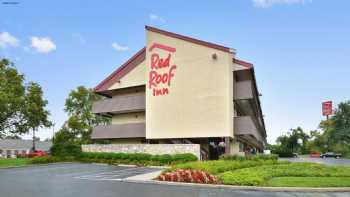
51,159
65,149
219,166
186,157
136,158
249,157
285,154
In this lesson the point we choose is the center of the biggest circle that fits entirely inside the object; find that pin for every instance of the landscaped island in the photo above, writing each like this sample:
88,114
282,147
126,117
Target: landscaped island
259,171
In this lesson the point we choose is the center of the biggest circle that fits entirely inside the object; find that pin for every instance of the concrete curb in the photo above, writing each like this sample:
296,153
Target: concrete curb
246,188
144,177
127,165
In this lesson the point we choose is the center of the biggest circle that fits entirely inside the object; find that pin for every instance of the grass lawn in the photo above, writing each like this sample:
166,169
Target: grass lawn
309,182
14,162
219,166
272,173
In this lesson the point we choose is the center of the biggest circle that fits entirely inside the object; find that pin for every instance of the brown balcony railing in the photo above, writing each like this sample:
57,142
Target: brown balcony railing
243,90
130,130
120,104
244,125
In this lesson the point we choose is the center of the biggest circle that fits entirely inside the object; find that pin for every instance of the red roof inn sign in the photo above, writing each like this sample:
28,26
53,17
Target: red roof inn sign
162,70
327,108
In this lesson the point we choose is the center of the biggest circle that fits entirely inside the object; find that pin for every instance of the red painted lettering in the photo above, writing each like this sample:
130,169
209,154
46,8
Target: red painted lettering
154,60
157,63
155,76
152,77
171,73
159,92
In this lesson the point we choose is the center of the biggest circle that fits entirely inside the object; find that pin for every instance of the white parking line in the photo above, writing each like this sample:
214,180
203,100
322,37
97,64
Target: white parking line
114,175
107,173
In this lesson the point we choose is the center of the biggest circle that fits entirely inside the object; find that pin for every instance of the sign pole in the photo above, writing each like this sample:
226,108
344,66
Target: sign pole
326,111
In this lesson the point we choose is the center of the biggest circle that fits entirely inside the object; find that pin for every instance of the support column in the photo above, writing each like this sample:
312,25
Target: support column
227,147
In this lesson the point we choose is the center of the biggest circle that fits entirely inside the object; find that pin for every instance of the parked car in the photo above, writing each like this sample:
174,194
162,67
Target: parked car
330,154
315,154
295,155
37,153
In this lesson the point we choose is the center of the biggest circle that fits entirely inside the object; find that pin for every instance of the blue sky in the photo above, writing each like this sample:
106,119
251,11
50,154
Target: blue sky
300,48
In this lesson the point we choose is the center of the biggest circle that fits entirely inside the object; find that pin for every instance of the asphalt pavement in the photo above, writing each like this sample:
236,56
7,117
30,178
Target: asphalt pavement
93,180
326,161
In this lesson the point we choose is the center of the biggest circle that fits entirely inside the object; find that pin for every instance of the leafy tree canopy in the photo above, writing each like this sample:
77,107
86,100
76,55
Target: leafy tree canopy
334,135
22,107
78,127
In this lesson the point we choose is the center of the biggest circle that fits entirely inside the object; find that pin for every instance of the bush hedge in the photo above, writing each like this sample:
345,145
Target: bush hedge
136,158
119,158
249,157
285,154
66,149
51,159
219,166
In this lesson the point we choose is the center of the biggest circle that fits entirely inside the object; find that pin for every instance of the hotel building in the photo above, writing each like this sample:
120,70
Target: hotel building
181,90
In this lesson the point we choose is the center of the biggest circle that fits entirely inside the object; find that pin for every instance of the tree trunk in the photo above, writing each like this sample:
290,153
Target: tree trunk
33,148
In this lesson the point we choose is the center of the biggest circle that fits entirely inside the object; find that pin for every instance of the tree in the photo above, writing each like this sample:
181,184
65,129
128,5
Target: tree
78,127
341,124
21,107
318,141
339,129
12,100
35,112
295,141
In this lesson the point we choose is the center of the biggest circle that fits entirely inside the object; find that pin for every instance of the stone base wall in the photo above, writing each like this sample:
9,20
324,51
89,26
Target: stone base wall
154,149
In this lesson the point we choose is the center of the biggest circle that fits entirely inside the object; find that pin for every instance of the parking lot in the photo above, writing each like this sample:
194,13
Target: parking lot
94,180
69,179
326,161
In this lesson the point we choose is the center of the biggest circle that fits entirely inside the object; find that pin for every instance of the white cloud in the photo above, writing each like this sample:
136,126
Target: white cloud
154,17
43,44
269,3
7,40
119,47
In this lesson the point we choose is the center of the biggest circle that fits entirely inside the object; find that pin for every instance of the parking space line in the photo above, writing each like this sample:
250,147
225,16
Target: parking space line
106,173
115,175
109,172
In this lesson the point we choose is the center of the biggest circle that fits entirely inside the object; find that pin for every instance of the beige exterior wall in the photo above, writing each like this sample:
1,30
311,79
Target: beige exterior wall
135,77
128,93
128,118
238,67
234,148
199,102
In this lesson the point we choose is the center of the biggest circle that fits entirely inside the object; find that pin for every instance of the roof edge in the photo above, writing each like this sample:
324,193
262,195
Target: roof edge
121,70
242,63
189,39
